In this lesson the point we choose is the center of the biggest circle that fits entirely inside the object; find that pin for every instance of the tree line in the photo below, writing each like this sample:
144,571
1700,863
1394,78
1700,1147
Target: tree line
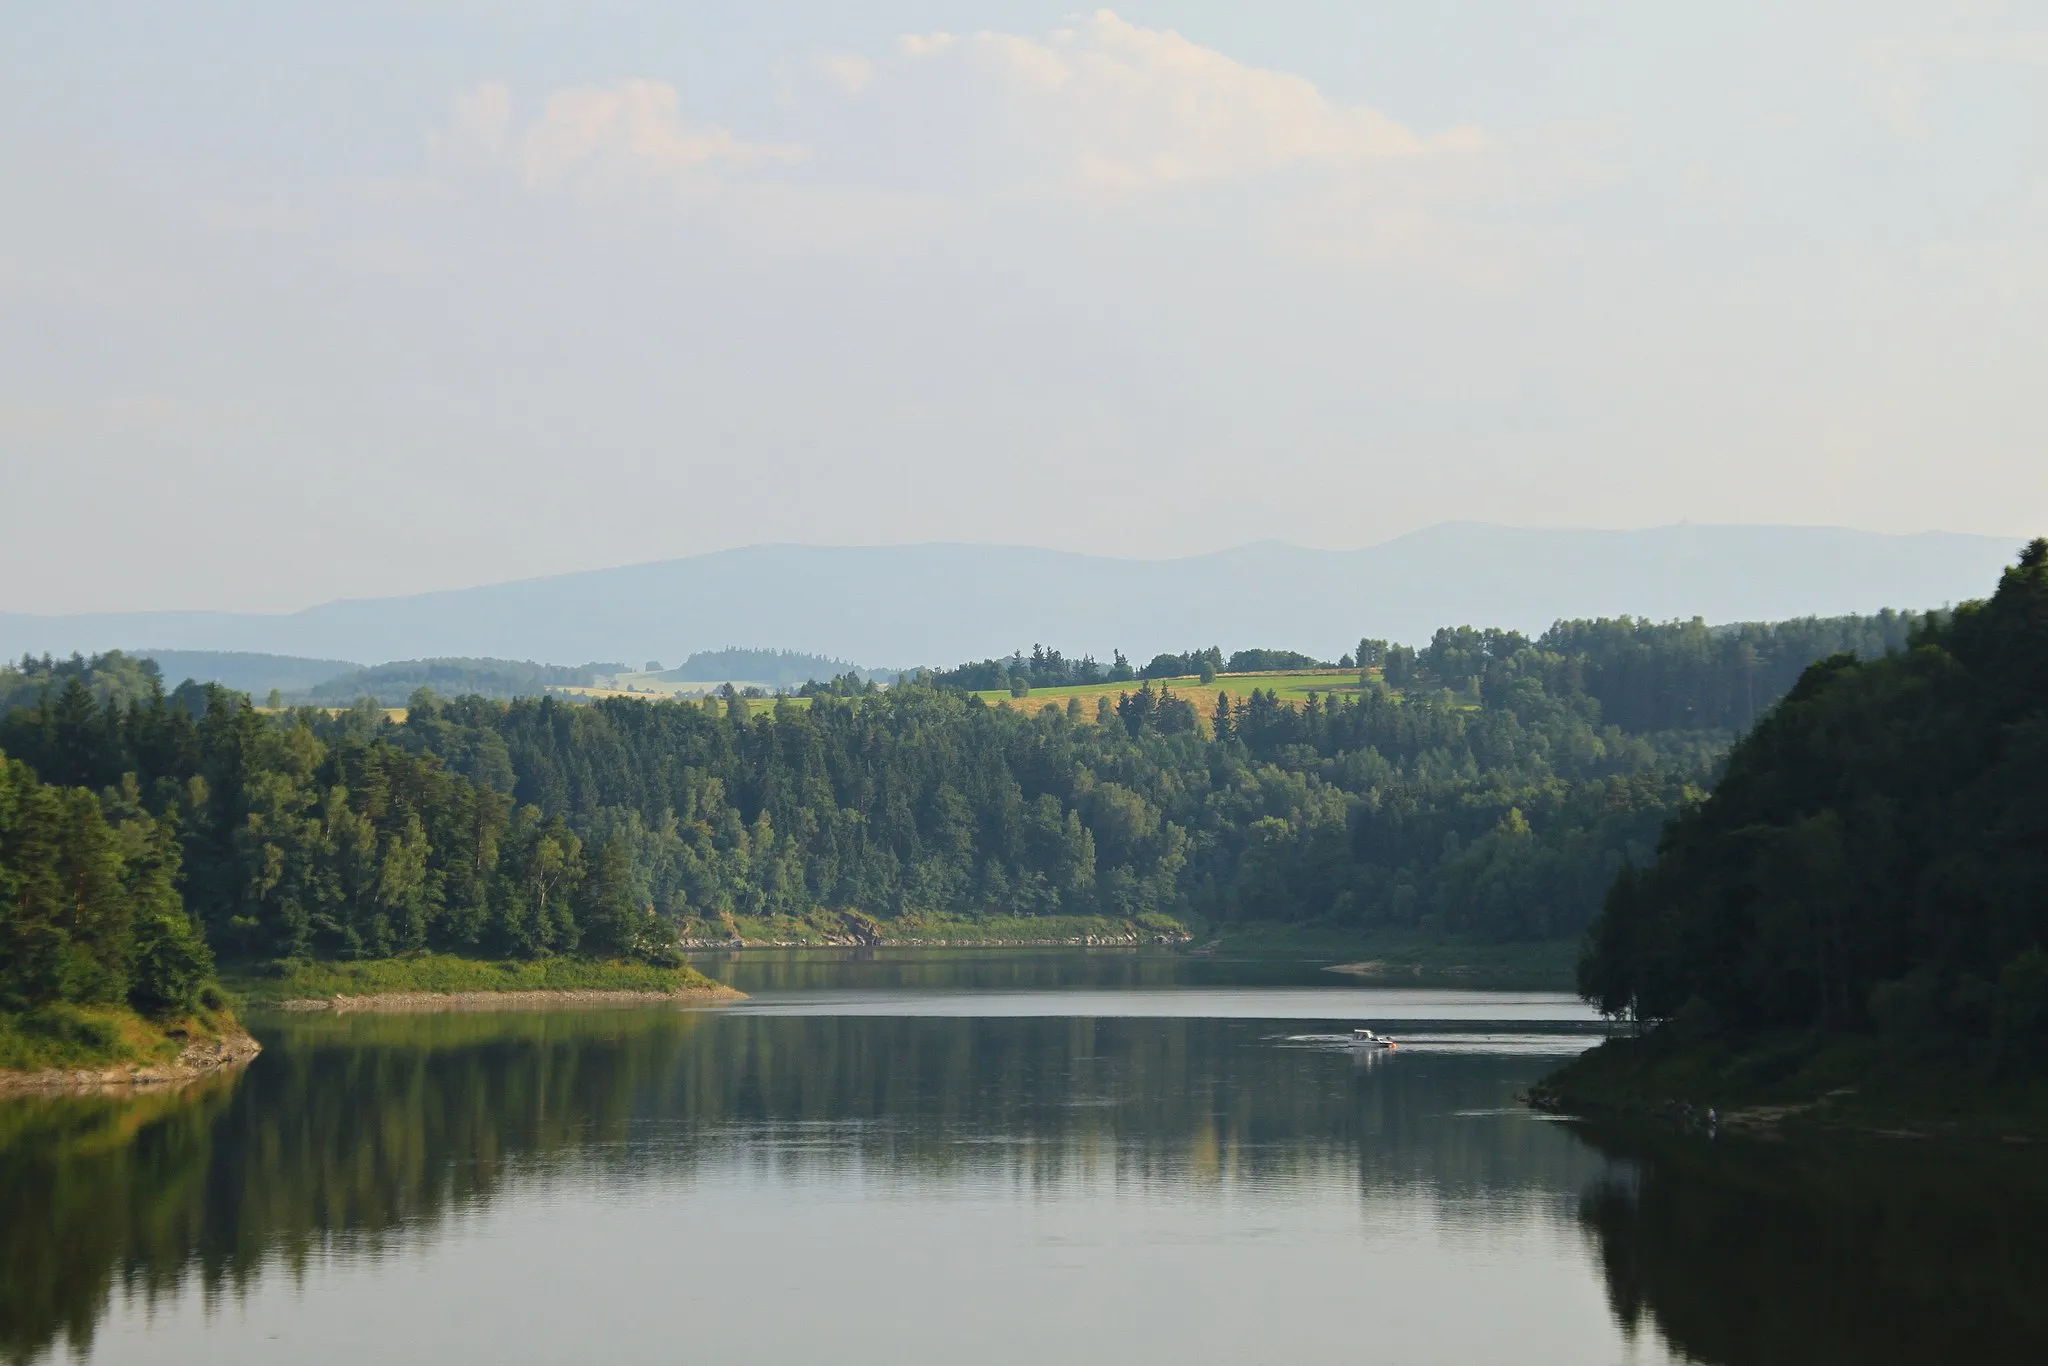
392,683
1044,668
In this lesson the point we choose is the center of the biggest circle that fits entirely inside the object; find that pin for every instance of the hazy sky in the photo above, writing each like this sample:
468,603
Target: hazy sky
299,302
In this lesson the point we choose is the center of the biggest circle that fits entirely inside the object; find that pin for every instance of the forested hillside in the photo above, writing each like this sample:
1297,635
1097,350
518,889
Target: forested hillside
128,677
1875,858
391,684
254,674
1491,793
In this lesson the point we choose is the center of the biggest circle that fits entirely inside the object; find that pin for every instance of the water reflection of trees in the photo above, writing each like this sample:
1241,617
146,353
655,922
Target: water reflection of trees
1742,1255
351,1133
95,1191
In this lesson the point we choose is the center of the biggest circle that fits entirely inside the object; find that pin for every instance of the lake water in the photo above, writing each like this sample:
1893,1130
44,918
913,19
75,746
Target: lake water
904,1157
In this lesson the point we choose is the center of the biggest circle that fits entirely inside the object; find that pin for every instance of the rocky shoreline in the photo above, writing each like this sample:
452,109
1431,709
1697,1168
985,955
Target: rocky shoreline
199,1059
418,1001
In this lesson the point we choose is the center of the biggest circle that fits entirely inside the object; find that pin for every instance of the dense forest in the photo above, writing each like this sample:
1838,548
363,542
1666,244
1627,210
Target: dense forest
1493,793
1875,857
1044,668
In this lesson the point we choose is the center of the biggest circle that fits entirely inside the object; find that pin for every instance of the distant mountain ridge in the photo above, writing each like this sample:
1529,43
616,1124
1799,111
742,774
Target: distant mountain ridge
392,683
942,603
250,673
773,668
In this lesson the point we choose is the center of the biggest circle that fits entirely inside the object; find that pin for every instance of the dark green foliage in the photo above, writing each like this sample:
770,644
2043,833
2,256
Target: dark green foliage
1651,676
169,963
89,910
1043,668
1267,661
1875,856
848,684
1209,661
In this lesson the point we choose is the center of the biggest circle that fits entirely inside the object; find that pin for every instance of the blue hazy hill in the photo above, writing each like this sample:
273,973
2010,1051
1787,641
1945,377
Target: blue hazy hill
941,603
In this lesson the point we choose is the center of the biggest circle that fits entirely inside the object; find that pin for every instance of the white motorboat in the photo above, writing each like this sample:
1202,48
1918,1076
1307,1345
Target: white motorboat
1365,1038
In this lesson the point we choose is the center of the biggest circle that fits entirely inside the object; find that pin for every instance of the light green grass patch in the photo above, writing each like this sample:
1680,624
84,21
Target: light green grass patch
97,1037
439,972
1291,688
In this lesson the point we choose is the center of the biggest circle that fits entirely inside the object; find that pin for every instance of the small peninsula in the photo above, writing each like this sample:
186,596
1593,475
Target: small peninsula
104,978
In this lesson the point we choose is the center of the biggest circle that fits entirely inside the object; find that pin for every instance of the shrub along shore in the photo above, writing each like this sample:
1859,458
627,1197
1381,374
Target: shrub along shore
64,1046
1789,1081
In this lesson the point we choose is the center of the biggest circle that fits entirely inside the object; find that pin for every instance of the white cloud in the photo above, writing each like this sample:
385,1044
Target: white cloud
849,73
1103,117
631,133
1110,105
1903,70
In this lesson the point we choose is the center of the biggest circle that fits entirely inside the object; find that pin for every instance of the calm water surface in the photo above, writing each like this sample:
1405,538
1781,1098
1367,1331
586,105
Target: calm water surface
950,1157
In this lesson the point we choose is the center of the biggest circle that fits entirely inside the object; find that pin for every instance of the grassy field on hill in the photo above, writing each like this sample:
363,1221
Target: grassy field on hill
1292,688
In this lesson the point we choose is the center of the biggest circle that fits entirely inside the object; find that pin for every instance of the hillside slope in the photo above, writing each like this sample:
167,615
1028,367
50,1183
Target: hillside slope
1865,891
